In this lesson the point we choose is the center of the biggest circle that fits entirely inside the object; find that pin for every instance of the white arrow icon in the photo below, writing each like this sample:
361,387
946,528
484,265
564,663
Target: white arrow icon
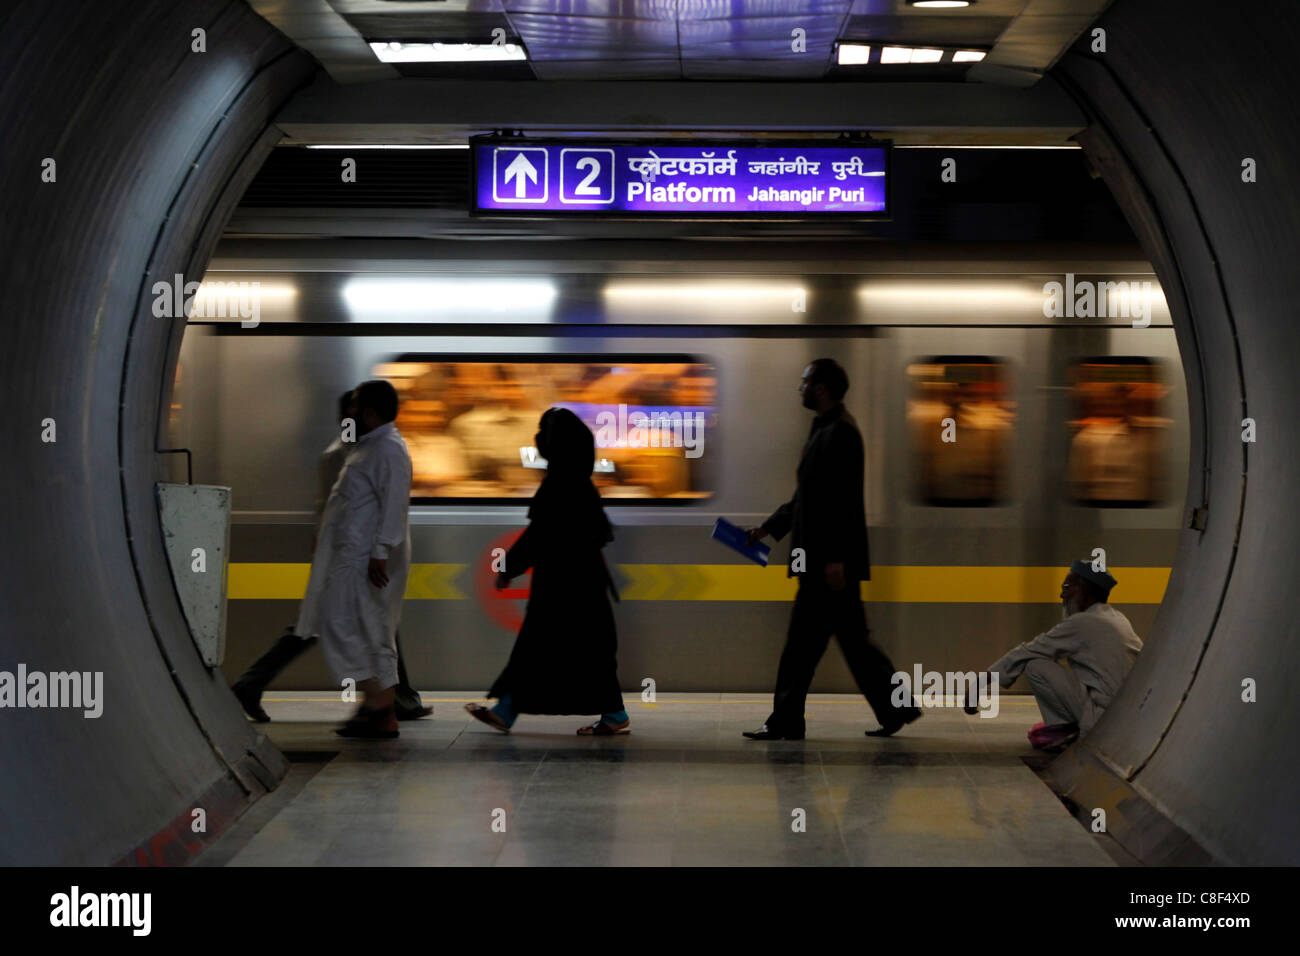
520,170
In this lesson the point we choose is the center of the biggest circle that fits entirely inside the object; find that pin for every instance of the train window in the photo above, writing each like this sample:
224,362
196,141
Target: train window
470,422
1118,434
960,416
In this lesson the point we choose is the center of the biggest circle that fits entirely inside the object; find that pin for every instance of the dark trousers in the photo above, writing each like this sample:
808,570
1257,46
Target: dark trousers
253,682
818,613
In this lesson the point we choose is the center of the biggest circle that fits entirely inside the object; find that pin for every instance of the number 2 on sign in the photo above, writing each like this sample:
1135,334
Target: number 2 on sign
585,188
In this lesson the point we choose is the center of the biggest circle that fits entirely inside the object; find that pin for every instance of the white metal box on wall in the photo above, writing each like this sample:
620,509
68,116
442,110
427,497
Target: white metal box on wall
196,530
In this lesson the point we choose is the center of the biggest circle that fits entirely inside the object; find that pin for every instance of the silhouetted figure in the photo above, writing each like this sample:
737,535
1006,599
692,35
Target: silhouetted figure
828,526
252,684
565,658
1100,646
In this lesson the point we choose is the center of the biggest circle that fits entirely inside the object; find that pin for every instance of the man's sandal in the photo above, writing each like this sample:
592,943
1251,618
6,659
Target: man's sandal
485,714
602,729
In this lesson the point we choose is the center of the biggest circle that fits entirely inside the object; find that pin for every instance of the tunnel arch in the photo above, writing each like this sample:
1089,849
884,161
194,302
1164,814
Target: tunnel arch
1186,769
154,144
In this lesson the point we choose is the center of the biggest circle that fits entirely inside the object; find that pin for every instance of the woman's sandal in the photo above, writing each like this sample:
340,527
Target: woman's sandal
602,729
485,714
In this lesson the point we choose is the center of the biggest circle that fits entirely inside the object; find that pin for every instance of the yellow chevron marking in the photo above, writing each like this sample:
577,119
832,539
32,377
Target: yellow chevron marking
668,582
434,582
910,584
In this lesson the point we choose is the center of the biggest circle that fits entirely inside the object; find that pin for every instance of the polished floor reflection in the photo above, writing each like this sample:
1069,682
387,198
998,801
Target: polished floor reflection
683,789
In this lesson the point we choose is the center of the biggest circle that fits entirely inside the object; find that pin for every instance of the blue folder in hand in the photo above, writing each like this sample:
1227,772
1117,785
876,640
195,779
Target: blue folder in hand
734,538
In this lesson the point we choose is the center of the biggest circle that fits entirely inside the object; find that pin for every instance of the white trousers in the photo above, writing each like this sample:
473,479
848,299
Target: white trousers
1062,699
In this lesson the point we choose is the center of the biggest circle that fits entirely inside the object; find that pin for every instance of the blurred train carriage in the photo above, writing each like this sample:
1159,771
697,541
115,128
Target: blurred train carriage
1065,435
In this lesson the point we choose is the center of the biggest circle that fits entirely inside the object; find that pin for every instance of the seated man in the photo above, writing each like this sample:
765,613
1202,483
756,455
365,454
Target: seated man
1100,646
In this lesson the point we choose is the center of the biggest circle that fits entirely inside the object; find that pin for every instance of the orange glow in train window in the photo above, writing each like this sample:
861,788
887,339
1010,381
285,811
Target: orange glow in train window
470,424
1118,435
960,418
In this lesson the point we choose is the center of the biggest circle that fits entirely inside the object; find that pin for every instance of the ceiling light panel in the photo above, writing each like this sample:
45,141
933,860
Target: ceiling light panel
395,51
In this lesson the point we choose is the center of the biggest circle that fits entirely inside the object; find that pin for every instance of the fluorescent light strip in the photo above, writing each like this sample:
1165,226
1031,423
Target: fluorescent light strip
857,54
690,293
239,299
395,51
211,288
450,300
907,54
926,296
853,54
963,296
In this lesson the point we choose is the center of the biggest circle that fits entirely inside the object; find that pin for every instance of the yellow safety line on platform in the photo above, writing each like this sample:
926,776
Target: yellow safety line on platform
909,584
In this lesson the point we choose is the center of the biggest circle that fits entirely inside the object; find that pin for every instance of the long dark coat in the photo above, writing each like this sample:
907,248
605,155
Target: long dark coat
827,514
565,658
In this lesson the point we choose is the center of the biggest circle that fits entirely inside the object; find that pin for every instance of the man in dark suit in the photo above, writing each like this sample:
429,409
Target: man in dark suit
828,552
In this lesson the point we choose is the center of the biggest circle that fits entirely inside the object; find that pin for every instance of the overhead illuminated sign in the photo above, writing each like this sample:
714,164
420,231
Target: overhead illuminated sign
521,176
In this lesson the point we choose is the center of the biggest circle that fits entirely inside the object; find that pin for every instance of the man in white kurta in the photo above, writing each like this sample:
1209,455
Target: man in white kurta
359,569
1098,642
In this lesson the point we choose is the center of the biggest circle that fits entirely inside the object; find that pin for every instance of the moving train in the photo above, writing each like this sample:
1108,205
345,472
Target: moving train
1005,435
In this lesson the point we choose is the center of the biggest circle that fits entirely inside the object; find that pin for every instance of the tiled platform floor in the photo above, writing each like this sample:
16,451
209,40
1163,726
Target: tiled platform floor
683,789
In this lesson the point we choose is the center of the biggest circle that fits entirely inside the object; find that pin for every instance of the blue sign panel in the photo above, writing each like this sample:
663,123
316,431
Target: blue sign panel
701,180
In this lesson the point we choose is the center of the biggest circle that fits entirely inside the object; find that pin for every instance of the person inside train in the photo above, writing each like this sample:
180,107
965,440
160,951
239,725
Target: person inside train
250,685
498,422
565,658
827,522
359,569
1107,456
1094,639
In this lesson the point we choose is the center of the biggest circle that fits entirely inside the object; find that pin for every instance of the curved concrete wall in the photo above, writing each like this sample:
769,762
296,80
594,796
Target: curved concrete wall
153,145
1183,94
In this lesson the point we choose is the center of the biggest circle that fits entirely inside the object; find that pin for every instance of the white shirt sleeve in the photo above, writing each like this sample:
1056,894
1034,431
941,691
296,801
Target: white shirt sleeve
1060,641
393,488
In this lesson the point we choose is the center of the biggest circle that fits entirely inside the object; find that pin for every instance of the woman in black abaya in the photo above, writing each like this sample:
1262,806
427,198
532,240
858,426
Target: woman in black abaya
564,660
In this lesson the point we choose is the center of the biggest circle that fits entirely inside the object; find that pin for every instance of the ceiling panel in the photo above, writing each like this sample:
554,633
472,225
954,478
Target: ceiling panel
587,38
598,9
704,39
974,31
997,8
453,25
766,45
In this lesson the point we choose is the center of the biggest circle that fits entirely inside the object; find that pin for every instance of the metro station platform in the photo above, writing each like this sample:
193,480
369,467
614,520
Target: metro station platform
683,789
